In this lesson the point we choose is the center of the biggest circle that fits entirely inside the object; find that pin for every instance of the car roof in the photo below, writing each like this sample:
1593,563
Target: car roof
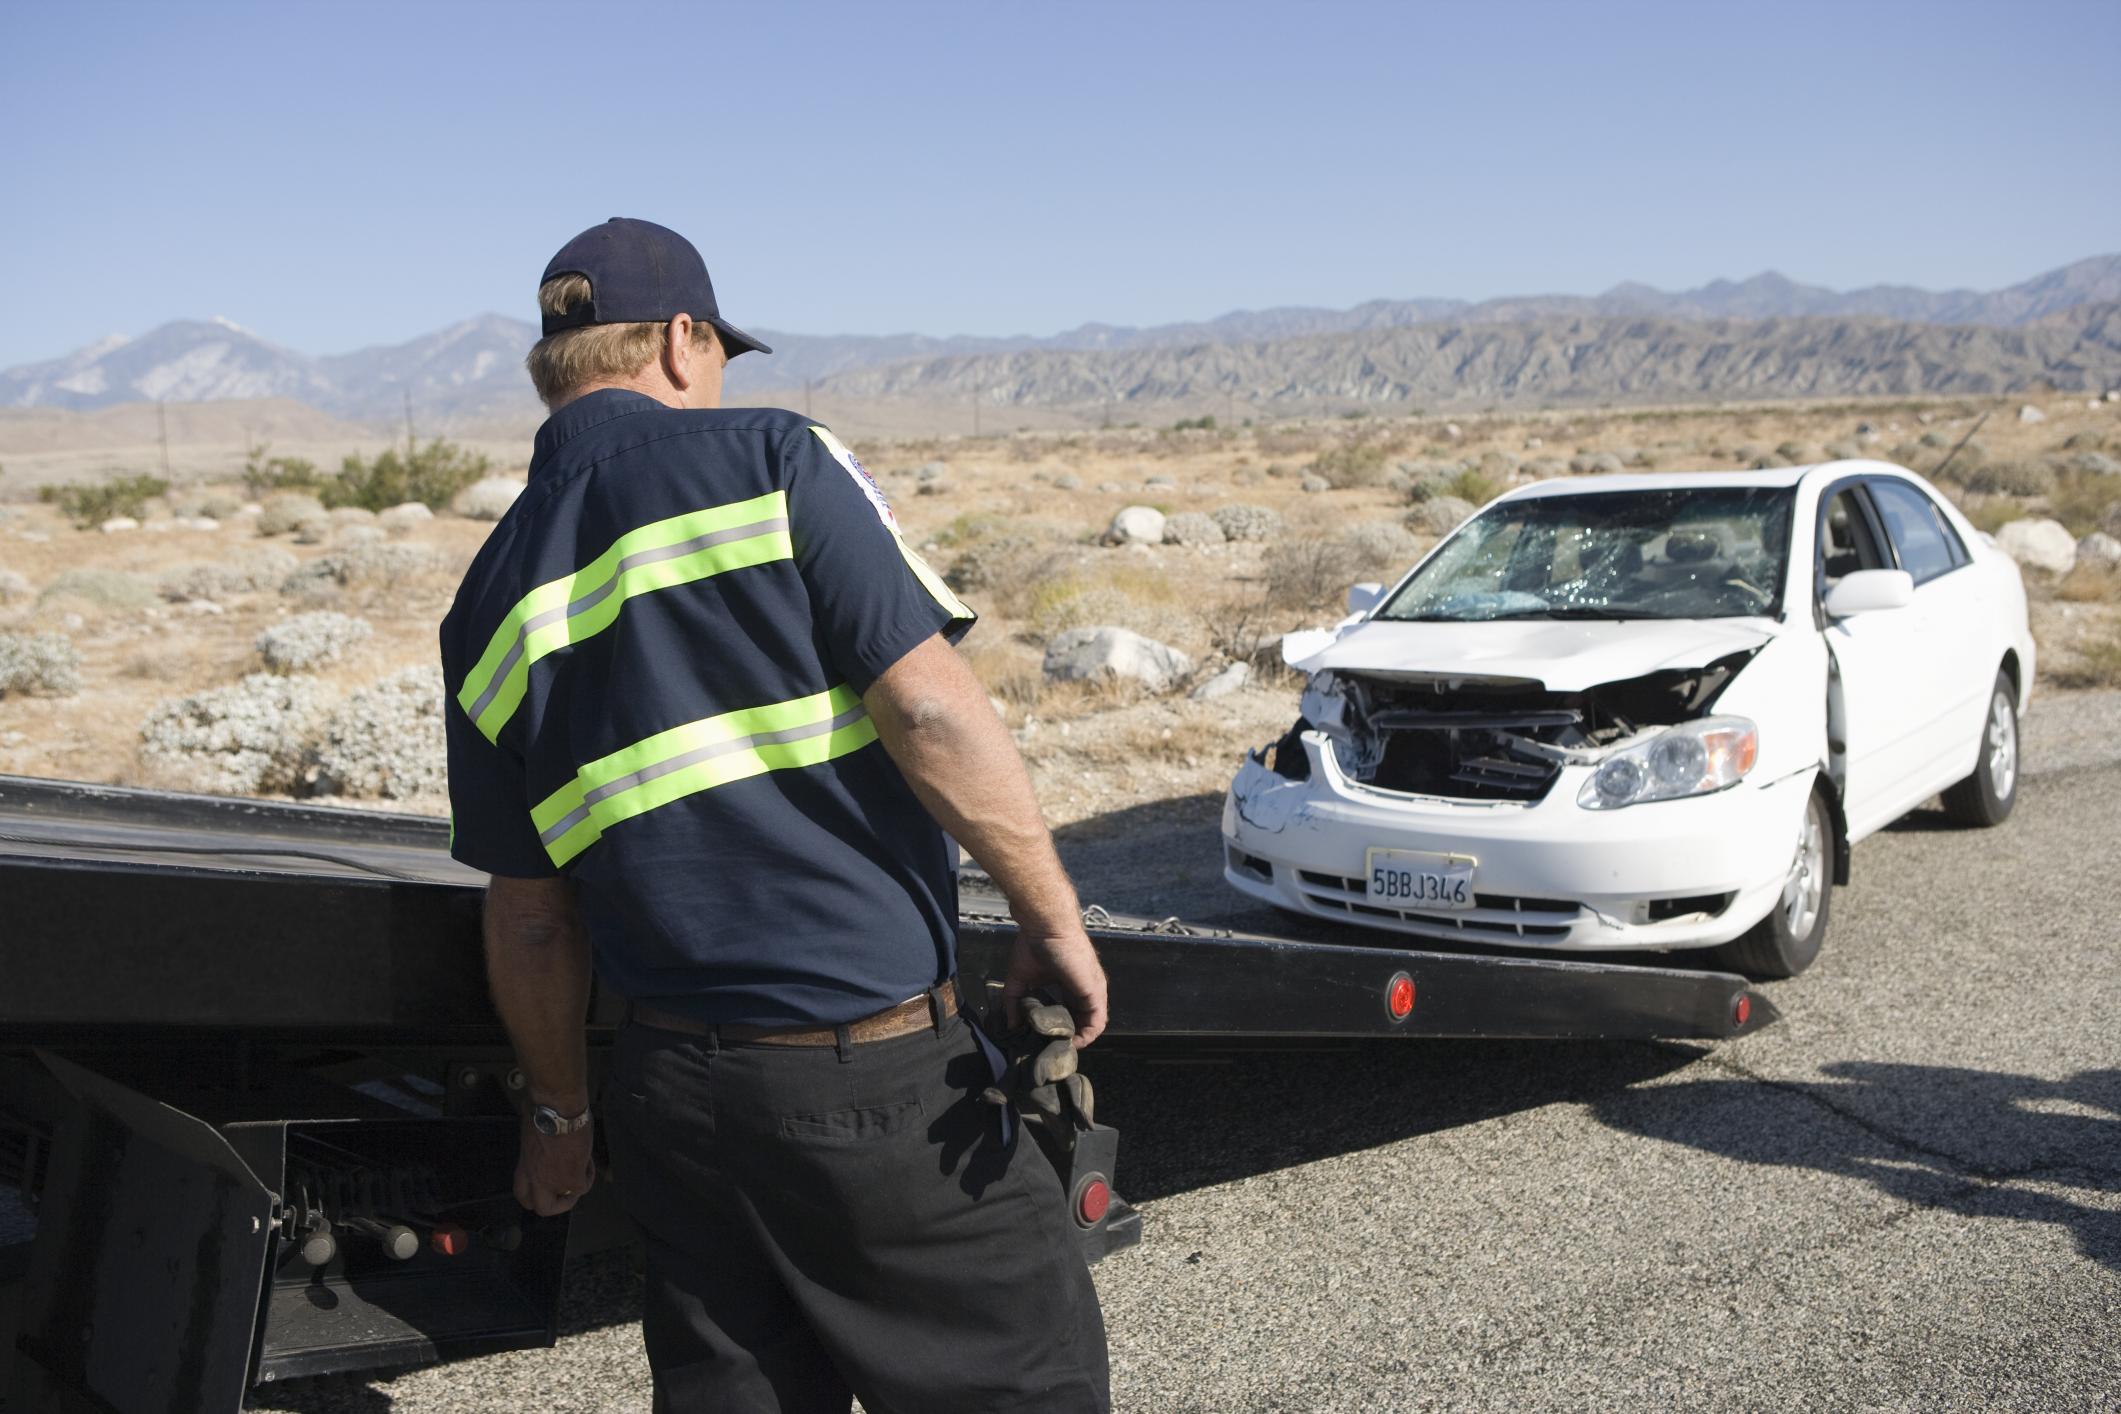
1774,477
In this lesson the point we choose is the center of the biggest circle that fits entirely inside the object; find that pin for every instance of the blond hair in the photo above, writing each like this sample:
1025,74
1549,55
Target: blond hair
560,363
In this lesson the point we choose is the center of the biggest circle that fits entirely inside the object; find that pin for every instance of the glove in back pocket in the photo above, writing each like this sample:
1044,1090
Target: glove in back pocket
855,1125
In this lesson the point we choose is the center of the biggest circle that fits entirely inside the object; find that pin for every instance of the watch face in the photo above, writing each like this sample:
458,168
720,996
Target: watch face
545,1120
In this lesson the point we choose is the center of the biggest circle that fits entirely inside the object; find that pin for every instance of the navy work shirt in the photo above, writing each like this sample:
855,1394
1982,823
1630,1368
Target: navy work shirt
655,668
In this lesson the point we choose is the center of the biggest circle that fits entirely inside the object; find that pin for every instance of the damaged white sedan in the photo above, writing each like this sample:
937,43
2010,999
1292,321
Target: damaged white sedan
1643,712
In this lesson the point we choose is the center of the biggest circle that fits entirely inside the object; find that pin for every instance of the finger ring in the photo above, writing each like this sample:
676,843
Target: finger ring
563,1193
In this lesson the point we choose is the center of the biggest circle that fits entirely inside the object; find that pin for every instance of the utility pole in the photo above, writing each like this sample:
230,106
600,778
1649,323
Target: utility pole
979,395
162,424
807,385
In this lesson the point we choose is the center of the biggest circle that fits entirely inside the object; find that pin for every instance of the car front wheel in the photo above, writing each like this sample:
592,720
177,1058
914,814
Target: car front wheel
1784,943
1985,798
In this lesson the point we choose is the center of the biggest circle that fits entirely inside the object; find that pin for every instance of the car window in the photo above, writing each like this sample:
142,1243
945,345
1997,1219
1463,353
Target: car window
1845,540
1927,544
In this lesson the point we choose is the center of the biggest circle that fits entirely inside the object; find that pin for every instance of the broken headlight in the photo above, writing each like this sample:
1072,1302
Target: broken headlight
1695,758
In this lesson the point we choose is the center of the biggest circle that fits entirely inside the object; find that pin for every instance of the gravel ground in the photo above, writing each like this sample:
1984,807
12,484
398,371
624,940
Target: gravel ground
1906,1195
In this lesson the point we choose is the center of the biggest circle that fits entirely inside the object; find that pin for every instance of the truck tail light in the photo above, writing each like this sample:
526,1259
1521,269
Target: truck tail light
1399,996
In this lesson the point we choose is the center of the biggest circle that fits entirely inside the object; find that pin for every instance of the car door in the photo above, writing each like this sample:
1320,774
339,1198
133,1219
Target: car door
1878,659
1947,707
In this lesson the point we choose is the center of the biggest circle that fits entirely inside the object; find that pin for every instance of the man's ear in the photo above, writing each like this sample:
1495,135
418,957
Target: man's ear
678,353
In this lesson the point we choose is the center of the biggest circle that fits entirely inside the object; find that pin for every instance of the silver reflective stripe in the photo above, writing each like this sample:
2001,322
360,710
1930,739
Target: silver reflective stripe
605,590
679,762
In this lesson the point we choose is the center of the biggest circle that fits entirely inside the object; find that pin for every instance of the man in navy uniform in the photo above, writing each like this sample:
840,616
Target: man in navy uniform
707,730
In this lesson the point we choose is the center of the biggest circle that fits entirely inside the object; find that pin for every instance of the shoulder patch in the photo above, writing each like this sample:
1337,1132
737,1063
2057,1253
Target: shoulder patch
861,476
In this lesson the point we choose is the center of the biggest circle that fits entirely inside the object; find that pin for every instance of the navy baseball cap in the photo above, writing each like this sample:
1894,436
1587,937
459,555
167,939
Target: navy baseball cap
640,273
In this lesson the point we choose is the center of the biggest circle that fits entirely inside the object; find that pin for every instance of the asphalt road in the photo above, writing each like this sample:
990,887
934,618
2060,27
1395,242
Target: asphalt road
1905,1195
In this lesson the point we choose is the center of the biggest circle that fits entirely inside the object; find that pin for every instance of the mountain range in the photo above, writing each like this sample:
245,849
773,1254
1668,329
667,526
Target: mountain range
1766,336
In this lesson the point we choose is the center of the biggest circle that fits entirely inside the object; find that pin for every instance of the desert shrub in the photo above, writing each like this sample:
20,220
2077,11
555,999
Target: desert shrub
1990,514
2010,478
363,564
263,475
13,587
309,640
86,506
1192,528
2086,501
251,571
289,510
1311,572
1240,521
253,735
433,475
112,590
1474,487
39,665
386,741
1194,424
1005,572
1363,462
1382,548
1127,596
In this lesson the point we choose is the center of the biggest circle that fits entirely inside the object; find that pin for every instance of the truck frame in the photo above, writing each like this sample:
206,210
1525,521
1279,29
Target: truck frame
260,1117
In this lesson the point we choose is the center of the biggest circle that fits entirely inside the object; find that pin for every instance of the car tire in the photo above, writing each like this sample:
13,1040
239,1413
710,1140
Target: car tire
1985,798
1785,942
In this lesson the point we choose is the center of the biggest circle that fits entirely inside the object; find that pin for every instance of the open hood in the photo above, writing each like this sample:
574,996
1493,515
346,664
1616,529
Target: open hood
1560,655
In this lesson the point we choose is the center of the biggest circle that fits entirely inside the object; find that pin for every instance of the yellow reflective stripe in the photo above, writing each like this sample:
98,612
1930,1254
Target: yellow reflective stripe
660,555
930,580
697,756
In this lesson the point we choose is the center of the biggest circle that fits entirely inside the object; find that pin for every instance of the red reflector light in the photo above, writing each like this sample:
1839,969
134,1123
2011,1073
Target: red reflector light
450,1240
1399,996
1742,1011
1092,1201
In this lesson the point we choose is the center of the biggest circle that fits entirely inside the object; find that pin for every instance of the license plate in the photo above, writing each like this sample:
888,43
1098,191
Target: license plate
1409,878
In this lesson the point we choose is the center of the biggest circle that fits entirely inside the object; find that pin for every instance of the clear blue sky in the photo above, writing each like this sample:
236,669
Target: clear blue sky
334,175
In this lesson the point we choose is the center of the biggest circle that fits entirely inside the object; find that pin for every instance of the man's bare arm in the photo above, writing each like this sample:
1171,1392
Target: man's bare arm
537,967
935,720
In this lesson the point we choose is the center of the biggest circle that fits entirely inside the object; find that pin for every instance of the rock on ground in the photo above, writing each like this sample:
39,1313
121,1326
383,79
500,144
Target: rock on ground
239,740
1314,484
13,587
1136,525
2039,543
1240,521
1229,680
1192,528
2101,549
488,498
2029,413
39,665
1439,515
2096,464
386,741
310,640
1083,654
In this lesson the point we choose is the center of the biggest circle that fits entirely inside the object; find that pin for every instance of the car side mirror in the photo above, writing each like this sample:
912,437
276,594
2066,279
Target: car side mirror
1363,597
1867,591
1297,646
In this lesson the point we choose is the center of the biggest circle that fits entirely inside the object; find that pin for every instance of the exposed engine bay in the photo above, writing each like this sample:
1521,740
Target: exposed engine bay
1476,738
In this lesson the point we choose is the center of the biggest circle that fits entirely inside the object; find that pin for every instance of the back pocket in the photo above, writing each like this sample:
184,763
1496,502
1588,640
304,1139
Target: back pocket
870,1122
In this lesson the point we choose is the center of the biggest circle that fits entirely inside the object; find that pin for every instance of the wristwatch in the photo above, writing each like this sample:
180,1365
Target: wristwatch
547,1120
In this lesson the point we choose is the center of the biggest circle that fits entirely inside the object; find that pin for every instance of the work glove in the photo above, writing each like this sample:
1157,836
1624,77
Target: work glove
1040,1079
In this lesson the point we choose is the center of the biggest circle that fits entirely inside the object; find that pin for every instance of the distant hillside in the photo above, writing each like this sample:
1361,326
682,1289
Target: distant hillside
1612,360
471,372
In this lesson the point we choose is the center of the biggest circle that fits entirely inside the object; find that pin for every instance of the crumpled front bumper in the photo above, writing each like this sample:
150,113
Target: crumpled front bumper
1549,874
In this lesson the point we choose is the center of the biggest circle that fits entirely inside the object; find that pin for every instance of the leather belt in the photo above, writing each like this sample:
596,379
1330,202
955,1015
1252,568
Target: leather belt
928,1011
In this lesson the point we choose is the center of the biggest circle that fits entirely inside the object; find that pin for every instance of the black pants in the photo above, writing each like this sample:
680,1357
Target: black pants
824,1223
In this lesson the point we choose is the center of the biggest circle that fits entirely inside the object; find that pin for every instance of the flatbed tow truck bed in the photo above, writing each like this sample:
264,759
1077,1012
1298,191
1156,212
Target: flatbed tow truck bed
237,1036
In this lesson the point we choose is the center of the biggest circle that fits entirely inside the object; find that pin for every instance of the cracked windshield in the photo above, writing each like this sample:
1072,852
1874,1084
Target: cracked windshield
1614,555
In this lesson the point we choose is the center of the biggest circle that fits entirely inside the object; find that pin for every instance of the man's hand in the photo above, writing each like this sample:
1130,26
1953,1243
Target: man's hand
553,1171
1062,961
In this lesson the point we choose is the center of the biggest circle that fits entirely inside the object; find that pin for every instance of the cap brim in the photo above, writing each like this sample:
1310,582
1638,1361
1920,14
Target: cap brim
735,340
